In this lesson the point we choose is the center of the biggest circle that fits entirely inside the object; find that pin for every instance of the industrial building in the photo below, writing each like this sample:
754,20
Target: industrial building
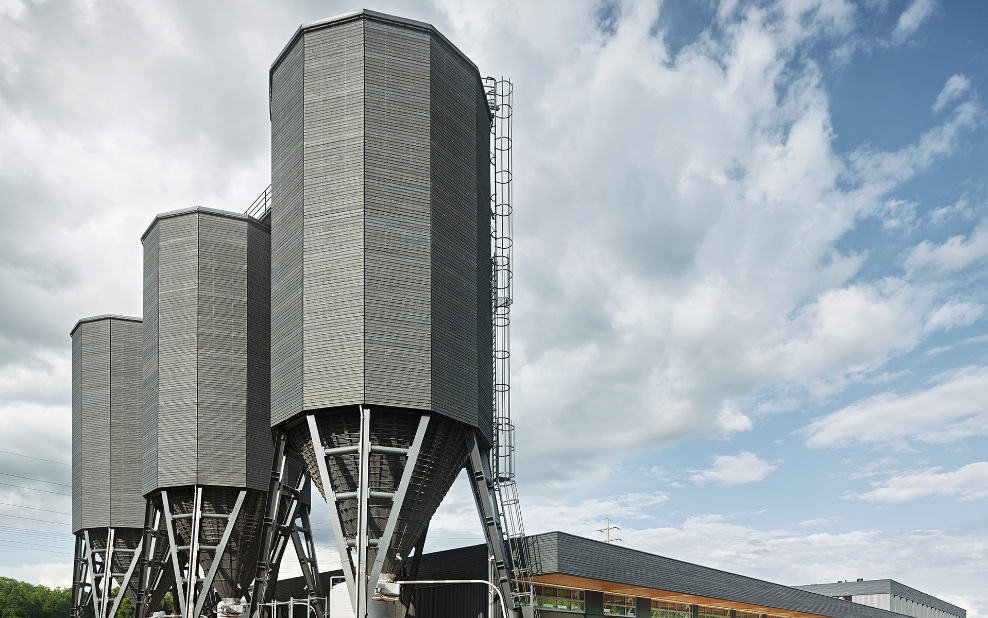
585,577
349,331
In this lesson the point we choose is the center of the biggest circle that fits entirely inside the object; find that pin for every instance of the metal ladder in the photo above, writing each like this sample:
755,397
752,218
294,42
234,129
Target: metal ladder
524,555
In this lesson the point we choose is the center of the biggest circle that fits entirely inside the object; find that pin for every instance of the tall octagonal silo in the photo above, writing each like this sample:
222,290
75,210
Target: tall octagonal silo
107,503
206,400
381,279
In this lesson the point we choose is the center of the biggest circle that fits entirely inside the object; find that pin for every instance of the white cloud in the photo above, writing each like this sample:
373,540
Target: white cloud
952,90
924,559
737,469
967,483
956,253
953,314
951,408
911,19
51,574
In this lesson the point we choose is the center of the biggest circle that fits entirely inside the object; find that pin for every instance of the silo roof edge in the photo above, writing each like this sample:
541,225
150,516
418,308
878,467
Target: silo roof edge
362,14
229,214
105,316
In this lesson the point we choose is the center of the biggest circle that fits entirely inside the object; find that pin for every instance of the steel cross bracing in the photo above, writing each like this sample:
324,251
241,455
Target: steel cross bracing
287,517
361,577
524,559
193,588
156,576
93,576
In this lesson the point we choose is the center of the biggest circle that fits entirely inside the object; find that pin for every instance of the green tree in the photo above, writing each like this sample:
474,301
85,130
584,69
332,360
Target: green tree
23,600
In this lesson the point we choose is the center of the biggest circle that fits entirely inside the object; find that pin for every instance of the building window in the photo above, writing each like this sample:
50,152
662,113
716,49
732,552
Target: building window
670,609
559,599
705,611
619,605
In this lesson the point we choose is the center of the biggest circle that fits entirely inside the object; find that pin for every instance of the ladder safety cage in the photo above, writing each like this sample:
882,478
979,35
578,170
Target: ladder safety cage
523,555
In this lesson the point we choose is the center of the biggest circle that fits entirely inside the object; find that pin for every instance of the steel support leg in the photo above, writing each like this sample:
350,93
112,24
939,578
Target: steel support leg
81,588
482,483
285,519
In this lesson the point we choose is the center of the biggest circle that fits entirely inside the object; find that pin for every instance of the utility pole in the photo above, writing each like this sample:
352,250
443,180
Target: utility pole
607,531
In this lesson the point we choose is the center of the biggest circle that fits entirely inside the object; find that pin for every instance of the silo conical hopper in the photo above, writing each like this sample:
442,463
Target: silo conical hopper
107,503
381,276
205,391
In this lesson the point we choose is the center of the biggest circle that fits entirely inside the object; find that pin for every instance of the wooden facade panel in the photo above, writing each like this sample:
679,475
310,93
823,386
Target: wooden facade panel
456,300
397,227
287,189
221,350
94,423
333,219
259,446
178,289
126,416
212,425
149,364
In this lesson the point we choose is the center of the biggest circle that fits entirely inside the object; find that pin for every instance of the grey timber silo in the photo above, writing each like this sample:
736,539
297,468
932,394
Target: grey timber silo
381,276
206,402
107,502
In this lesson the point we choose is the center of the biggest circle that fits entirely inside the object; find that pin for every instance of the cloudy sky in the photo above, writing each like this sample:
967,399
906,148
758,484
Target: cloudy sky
751,247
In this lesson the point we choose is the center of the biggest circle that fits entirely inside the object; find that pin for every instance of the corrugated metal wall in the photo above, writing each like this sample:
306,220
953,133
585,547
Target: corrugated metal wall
208,422
106,418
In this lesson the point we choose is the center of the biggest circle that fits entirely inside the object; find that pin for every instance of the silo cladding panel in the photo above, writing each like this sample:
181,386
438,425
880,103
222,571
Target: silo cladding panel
206,352
106,423
380,233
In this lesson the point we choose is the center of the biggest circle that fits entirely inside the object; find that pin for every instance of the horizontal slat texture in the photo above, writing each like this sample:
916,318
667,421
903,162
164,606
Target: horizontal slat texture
94,415
211,426
455,235
381,233
178,292
397,209
222,351
260,449
333,365
106,422
149,364
126,498
286,236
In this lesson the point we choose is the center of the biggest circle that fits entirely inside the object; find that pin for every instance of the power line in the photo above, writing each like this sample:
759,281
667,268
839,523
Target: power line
33,508
57,493
46,521
32,544
32,532
61,463
48,551
28,478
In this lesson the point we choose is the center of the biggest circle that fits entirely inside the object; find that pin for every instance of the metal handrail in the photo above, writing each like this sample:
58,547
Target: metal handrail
261,206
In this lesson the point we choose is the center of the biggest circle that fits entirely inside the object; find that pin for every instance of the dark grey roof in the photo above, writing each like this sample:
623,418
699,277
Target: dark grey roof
229,214
572,555
883,586
105,316
365,14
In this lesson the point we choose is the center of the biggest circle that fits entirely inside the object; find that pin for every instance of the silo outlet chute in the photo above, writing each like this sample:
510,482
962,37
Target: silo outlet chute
107,504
